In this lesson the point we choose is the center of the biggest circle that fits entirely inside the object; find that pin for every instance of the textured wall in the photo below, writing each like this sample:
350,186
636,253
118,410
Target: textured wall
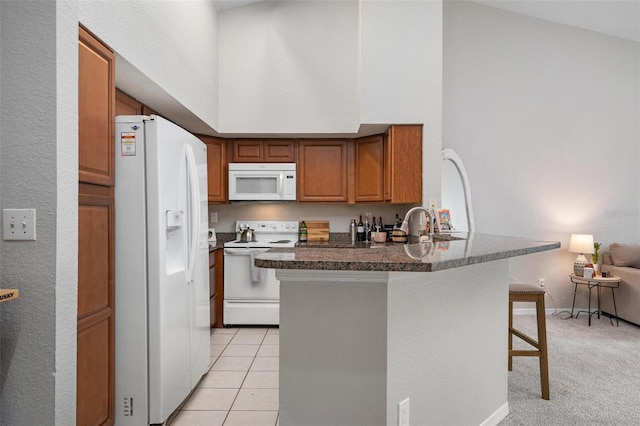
28,180
545,118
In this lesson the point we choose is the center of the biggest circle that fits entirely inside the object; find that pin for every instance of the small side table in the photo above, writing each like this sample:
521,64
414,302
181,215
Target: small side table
598,282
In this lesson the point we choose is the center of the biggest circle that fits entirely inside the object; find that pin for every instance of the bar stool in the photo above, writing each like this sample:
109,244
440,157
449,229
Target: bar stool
530,293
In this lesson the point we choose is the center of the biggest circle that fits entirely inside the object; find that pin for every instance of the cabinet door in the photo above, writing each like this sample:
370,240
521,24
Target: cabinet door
96,338
322,170
96,107
126,105
212,288
369,169
216,168
279,151
218,300
247,151
403,164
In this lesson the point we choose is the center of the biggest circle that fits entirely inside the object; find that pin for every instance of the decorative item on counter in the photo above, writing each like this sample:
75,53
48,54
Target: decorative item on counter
303,232
595,257
444,220
581,243
360,230
317,230
399,236
352,230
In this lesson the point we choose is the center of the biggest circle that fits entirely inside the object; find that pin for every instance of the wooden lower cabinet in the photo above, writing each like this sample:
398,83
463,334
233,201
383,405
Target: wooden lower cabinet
216,287
96,338
322,170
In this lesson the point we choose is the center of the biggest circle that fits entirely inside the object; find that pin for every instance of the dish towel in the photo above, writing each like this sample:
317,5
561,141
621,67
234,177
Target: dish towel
257,274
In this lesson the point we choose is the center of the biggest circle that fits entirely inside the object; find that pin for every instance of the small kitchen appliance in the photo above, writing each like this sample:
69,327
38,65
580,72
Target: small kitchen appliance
262,181
251,294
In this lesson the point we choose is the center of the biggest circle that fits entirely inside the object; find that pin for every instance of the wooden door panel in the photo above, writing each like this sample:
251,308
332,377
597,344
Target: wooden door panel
216,169
96,106
279,151
322,173
95,367
126,105
369,169
247,151
94,278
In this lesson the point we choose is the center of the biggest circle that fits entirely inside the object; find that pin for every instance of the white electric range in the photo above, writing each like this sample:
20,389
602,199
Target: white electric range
251,294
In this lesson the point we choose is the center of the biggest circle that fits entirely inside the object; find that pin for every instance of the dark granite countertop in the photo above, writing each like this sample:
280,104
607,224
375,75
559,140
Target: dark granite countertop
464,249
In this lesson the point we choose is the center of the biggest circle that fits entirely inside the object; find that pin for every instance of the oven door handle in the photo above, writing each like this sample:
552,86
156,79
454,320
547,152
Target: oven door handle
237,251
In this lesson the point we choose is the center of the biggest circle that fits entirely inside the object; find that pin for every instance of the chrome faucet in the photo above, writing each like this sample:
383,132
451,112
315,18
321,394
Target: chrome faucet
405,223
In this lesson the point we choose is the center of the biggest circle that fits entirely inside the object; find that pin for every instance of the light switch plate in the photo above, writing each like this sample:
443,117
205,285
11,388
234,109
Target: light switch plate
19,224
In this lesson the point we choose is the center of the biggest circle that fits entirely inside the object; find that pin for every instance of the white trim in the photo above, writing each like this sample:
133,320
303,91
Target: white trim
547,311
450,155
497,416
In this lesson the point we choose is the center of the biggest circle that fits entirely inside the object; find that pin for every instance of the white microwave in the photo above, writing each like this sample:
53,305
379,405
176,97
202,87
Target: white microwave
262,181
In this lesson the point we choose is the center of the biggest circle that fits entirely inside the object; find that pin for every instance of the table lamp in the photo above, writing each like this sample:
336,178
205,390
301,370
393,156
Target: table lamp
580,243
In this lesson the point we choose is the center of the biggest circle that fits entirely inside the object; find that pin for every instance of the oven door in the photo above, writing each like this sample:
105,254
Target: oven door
239,281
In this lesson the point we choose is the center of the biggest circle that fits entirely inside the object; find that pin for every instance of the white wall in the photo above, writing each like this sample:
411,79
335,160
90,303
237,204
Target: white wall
401,68
172,45
289,67
545,118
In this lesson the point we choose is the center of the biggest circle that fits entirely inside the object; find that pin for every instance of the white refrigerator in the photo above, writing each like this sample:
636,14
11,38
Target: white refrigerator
162,322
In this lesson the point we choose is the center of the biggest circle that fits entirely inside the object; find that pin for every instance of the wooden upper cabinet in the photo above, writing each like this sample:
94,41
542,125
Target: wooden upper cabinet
216,168
263,151
126,105
96,109
403,164
322,170
369,169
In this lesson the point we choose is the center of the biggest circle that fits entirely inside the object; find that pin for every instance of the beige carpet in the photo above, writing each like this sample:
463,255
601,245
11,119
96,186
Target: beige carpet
594,375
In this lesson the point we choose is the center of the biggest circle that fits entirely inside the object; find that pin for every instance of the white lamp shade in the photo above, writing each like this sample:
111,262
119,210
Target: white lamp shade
581,243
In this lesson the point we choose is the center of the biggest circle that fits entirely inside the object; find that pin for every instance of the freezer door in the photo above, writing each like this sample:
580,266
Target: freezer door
199,284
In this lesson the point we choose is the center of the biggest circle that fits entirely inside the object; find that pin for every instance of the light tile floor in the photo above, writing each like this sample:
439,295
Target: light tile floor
241,387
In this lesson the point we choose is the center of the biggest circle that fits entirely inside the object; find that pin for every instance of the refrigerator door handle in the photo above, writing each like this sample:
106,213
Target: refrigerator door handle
194,210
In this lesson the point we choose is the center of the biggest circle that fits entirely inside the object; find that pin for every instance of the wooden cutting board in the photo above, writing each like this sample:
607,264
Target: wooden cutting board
317,230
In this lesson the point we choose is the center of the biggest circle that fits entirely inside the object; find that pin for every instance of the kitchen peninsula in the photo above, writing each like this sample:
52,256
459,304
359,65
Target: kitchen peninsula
363,329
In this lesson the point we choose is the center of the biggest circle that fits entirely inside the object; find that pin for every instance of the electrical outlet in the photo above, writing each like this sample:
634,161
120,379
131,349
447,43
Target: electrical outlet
214,217
541,283
433,204
403,413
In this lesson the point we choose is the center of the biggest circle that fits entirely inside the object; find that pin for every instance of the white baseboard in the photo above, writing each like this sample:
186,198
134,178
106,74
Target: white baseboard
547,311
497,416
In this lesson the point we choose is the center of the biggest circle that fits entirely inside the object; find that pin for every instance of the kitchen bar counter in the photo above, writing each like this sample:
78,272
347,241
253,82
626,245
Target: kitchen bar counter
364,329
448,252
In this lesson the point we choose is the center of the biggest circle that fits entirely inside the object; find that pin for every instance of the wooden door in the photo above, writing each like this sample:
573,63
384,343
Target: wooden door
369,169
279,151
96,243
96,374
403,164
216,168
126,105
322,170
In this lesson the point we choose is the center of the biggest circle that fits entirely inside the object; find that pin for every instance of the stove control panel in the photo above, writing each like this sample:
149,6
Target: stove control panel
269,226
